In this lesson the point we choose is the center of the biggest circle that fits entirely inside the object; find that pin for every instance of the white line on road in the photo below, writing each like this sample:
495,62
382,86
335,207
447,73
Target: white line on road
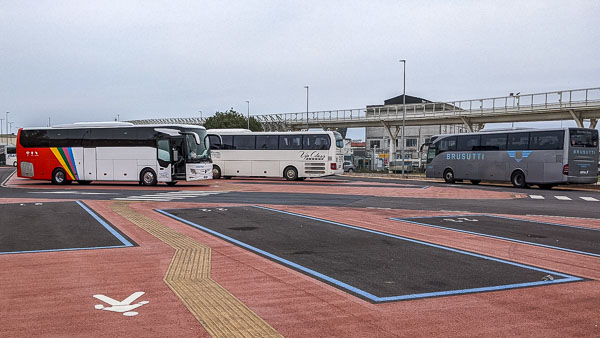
589,199
562,198
537,197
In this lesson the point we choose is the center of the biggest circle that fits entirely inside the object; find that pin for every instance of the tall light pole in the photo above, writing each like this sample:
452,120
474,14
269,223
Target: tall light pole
403,112
7,126
1,129
201,120
248,102
306,107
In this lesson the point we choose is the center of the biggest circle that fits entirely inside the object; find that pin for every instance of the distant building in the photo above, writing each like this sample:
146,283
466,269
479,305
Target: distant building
378,140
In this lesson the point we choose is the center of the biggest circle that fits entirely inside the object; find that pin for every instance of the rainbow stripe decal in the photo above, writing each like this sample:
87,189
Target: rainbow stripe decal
67,161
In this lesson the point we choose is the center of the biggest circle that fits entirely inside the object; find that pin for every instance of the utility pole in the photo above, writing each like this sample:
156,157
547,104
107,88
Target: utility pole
306,107
403,111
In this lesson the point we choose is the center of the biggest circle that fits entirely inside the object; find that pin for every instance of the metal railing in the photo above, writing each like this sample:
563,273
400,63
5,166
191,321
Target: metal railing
512,104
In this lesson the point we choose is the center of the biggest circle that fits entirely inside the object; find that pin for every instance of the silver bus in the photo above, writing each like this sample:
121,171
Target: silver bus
544,157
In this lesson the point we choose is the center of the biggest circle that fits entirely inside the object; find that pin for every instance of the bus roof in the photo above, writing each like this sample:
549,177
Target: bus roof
85,125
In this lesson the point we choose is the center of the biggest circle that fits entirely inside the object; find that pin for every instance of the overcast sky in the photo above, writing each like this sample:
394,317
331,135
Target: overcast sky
91,60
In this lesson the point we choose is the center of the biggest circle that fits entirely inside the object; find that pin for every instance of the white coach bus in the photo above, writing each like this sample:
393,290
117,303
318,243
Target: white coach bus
114,151
292,155
545,157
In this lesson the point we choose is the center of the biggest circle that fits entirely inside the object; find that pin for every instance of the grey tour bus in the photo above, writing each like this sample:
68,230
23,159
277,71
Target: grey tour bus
544,157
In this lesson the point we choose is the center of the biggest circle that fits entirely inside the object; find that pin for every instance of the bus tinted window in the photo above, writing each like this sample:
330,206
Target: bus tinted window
583,138
267,142
34,138
493,142
518,141
227,142
290,142
215,143
546,140
316,142
243,142
467,142
446,144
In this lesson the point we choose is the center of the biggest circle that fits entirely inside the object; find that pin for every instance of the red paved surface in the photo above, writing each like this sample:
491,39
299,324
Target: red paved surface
50,294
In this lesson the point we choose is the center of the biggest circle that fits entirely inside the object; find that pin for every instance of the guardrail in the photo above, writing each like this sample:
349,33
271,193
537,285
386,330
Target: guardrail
511,104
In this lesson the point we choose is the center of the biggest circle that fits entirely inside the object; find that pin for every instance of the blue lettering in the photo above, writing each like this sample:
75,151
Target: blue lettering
468,156
447,156
454,156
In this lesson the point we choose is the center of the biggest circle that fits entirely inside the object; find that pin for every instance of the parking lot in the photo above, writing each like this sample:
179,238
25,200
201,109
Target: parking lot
337,256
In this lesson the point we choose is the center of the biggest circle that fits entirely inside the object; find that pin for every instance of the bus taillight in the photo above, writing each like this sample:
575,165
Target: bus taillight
333,166
566,169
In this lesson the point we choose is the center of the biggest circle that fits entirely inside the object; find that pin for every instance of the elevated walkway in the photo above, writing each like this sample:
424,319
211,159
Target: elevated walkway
576,104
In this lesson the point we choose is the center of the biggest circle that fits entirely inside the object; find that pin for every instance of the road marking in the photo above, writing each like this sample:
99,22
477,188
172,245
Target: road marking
537,197
562,198
67,192
169,196
123,306
589,199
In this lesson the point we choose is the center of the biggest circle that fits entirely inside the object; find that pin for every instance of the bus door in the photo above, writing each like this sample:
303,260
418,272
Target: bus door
178,151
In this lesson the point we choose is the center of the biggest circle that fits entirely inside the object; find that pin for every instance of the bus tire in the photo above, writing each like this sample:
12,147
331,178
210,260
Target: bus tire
216,172
290,173
84,182
350,171
518,179
449,176
475,182
148,177
59,176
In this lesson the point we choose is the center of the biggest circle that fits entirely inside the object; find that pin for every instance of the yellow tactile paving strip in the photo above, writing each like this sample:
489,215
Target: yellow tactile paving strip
221,314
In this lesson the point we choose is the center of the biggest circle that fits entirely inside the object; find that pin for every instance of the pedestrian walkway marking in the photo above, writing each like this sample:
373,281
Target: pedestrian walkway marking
589,199
123,306
537,197
169,196
188,276
562,198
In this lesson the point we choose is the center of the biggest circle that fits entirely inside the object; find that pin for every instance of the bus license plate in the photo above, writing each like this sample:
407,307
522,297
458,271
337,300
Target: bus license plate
583,172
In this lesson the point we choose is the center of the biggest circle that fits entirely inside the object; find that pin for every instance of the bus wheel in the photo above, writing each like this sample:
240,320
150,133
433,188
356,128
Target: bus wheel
216,172
172,183
518,179
59,176
148,177
449,176
475,182
290,174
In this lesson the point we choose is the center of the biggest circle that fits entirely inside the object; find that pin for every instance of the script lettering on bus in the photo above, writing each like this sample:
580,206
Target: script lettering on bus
311,156
465,156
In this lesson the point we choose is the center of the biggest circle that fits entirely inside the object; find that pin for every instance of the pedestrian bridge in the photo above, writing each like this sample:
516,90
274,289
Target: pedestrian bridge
576,104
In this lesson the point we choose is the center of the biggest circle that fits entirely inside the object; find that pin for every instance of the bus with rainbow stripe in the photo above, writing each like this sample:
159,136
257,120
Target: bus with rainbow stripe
114,151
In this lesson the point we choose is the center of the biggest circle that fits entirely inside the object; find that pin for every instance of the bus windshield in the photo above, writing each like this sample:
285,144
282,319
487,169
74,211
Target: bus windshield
197,152
339,140
587,138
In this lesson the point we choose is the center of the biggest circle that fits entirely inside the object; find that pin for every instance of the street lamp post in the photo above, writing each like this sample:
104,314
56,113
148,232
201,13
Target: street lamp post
403,112
1,129
7,126
306,107
248,102
201,120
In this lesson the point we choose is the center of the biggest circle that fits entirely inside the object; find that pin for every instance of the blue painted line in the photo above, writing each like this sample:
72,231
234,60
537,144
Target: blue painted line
498,237
57,250
566,278
105,225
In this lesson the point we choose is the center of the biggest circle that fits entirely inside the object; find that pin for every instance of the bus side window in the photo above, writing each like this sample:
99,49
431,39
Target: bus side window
290,142
227,142
164,155
493,142
546,140
446,144
518,141
215,143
